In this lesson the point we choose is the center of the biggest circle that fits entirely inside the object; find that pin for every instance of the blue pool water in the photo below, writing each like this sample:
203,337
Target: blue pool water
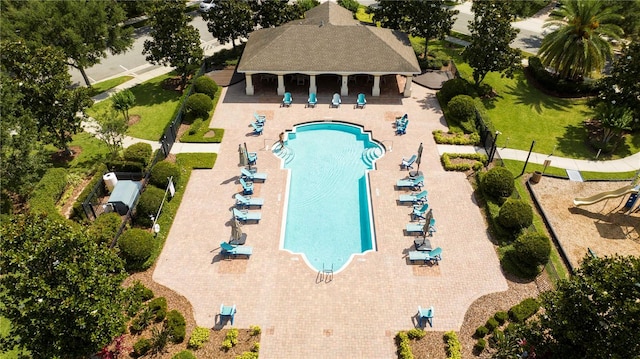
328,217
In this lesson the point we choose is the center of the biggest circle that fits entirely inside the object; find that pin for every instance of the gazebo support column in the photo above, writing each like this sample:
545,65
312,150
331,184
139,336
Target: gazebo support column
249,83
312,84
375,91
281,85
344,89
407,86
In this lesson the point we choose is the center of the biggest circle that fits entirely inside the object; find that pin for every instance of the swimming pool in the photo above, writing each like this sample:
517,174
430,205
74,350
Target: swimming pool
327,215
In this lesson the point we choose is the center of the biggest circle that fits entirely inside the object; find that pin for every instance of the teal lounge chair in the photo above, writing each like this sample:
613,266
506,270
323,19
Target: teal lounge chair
287,100
419,228
414,183
402,120
235,250
247,187
433,256
419,211
243,201
361,101
257,129
313,100
402,129
227,312
335,100
252,157
416,198
244,215
408,163
426,315
260,119
252,176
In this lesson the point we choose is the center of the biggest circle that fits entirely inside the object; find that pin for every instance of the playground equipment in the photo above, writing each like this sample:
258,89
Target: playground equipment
633,189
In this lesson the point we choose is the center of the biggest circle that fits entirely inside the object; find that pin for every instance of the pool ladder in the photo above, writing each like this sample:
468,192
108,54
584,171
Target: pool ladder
325,275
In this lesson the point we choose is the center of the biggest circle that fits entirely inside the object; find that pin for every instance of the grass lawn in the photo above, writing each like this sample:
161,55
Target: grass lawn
103,86
516,168
92,151
154,105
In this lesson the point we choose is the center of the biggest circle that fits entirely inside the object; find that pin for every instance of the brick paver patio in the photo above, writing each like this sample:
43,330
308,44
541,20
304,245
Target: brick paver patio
357,314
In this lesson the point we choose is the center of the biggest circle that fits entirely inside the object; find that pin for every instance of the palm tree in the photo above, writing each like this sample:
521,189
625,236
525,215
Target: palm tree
580,44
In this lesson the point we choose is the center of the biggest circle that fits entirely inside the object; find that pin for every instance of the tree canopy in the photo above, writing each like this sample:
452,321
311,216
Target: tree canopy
230,20
491,36
174,42
62,293
429,19
580,43
273,13
84,30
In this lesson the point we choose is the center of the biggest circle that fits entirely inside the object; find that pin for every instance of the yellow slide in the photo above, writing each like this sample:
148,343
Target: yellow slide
584,201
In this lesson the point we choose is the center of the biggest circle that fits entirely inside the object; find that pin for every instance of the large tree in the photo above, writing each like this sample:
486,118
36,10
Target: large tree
580,43
230,20
491,36
45,85
174,41
594,314
84,30
429,19
391,14
273,13
61,291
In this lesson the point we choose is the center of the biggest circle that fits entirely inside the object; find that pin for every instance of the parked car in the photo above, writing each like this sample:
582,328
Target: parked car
206,5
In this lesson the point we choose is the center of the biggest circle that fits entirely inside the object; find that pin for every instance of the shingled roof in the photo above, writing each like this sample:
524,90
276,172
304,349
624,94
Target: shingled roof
328,40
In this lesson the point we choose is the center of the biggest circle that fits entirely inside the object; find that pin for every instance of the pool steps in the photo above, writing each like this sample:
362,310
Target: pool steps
371,154
284,152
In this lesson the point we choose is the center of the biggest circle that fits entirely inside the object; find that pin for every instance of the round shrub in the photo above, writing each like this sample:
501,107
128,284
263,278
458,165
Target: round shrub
138,152
515,214
198,105
199,336
462,110
205,85
185,354
481,331
453,88
176,326
498,182
501,317
532,249
148,205
135,246
162,171
491,324
480,345
158,307
103,230
141,347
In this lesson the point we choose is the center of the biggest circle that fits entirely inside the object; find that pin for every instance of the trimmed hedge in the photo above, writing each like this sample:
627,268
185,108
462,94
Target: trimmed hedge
78,213
136,245
454,347
501,317
199,337
416,333
104,229
456,139
205,85
138,152
491,324
162,171
198,105
455,87
48,191
515,214
148,206
176,326
404,349
524,310
195,126
480,160
125,166
498,182
531,250
481,331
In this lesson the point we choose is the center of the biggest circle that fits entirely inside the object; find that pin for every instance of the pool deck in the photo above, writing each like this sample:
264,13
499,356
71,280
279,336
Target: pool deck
358,312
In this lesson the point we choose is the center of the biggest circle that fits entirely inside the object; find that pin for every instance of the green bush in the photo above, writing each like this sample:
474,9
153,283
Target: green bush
404,349
498,182
135,247
480,160
162,171
416,333
104,229
480,345
255,330
532,249
158,307
195,126
142,321
125,166
453,88
491,324
48,191
138,152
454,349
78,212
176,326
141,347
185,354
456,139
481,331
351,5
556,85
524,310
249,355
501,317
198,105
148,205
515,214
230,339
462,110
199,337
135,295
205,85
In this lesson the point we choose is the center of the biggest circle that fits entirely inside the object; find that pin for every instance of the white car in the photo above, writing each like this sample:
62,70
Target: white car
206,5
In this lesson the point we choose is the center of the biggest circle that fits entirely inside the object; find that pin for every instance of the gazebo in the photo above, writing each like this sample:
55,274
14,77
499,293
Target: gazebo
328,41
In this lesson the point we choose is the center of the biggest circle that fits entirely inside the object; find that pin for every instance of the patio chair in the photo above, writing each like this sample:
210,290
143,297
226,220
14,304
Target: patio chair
419,228
227,312
402,129
433,256
244,215
243,201
260,119
287,100
235,250
414,183
252,157
336,101
257,128
252,176
426,315
313,100
416,198
402,120
408,162
361,101
247,187
419,211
